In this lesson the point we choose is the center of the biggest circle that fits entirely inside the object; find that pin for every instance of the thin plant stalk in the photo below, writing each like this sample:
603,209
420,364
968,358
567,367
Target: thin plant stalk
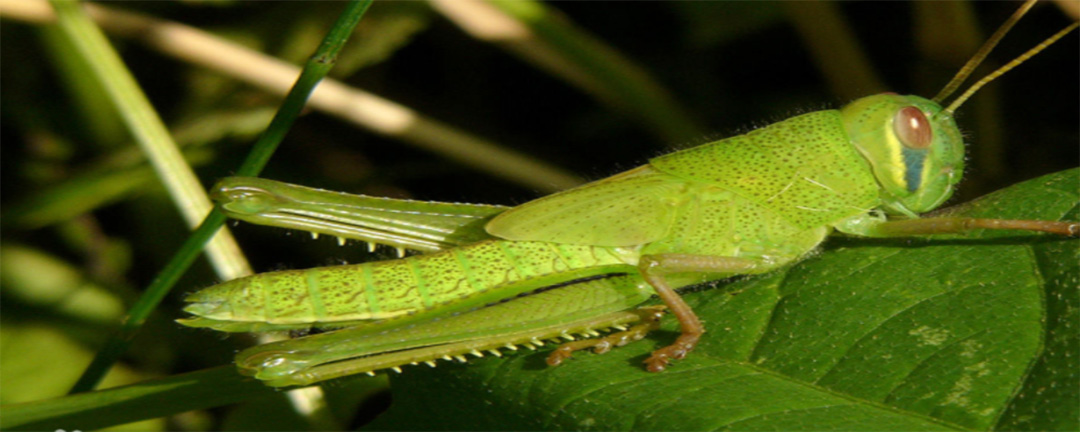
315,69
144,124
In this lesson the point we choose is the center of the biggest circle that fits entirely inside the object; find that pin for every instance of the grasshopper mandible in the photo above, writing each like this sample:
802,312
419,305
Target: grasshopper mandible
578,261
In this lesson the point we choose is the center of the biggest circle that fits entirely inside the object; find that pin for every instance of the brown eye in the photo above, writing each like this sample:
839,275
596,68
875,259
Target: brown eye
912,127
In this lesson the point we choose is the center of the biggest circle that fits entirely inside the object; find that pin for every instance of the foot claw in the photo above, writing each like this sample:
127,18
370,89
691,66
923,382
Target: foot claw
660,358
656,362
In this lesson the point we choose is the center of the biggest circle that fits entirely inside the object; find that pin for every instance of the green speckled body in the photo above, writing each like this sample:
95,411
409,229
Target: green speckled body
804,170
773,193
770,195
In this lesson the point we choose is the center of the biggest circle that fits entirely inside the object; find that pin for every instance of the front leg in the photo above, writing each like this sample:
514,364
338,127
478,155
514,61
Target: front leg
947,225
654,267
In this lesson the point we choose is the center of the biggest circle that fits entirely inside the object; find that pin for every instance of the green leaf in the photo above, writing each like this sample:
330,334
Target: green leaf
972,332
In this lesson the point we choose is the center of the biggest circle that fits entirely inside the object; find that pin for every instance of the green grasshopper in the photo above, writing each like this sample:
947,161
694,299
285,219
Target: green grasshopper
493,278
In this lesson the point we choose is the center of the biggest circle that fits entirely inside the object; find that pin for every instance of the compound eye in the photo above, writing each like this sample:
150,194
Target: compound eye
912,128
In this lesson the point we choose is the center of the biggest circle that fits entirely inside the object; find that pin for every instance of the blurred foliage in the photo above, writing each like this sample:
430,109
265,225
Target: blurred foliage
85,226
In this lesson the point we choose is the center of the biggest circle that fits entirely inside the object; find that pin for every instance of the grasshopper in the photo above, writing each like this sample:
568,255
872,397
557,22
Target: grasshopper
492,278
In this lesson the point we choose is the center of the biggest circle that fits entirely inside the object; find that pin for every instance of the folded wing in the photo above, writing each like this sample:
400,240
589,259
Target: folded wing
632,208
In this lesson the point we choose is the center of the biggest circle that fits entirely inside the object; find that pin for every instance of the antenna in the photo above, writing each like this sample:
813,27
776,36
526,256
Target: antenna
1008,66
981,54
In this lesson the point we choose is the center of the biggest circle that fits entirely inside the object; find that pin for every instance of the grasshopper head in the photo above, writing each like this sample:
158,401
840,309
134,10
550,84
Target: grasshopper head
913,146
